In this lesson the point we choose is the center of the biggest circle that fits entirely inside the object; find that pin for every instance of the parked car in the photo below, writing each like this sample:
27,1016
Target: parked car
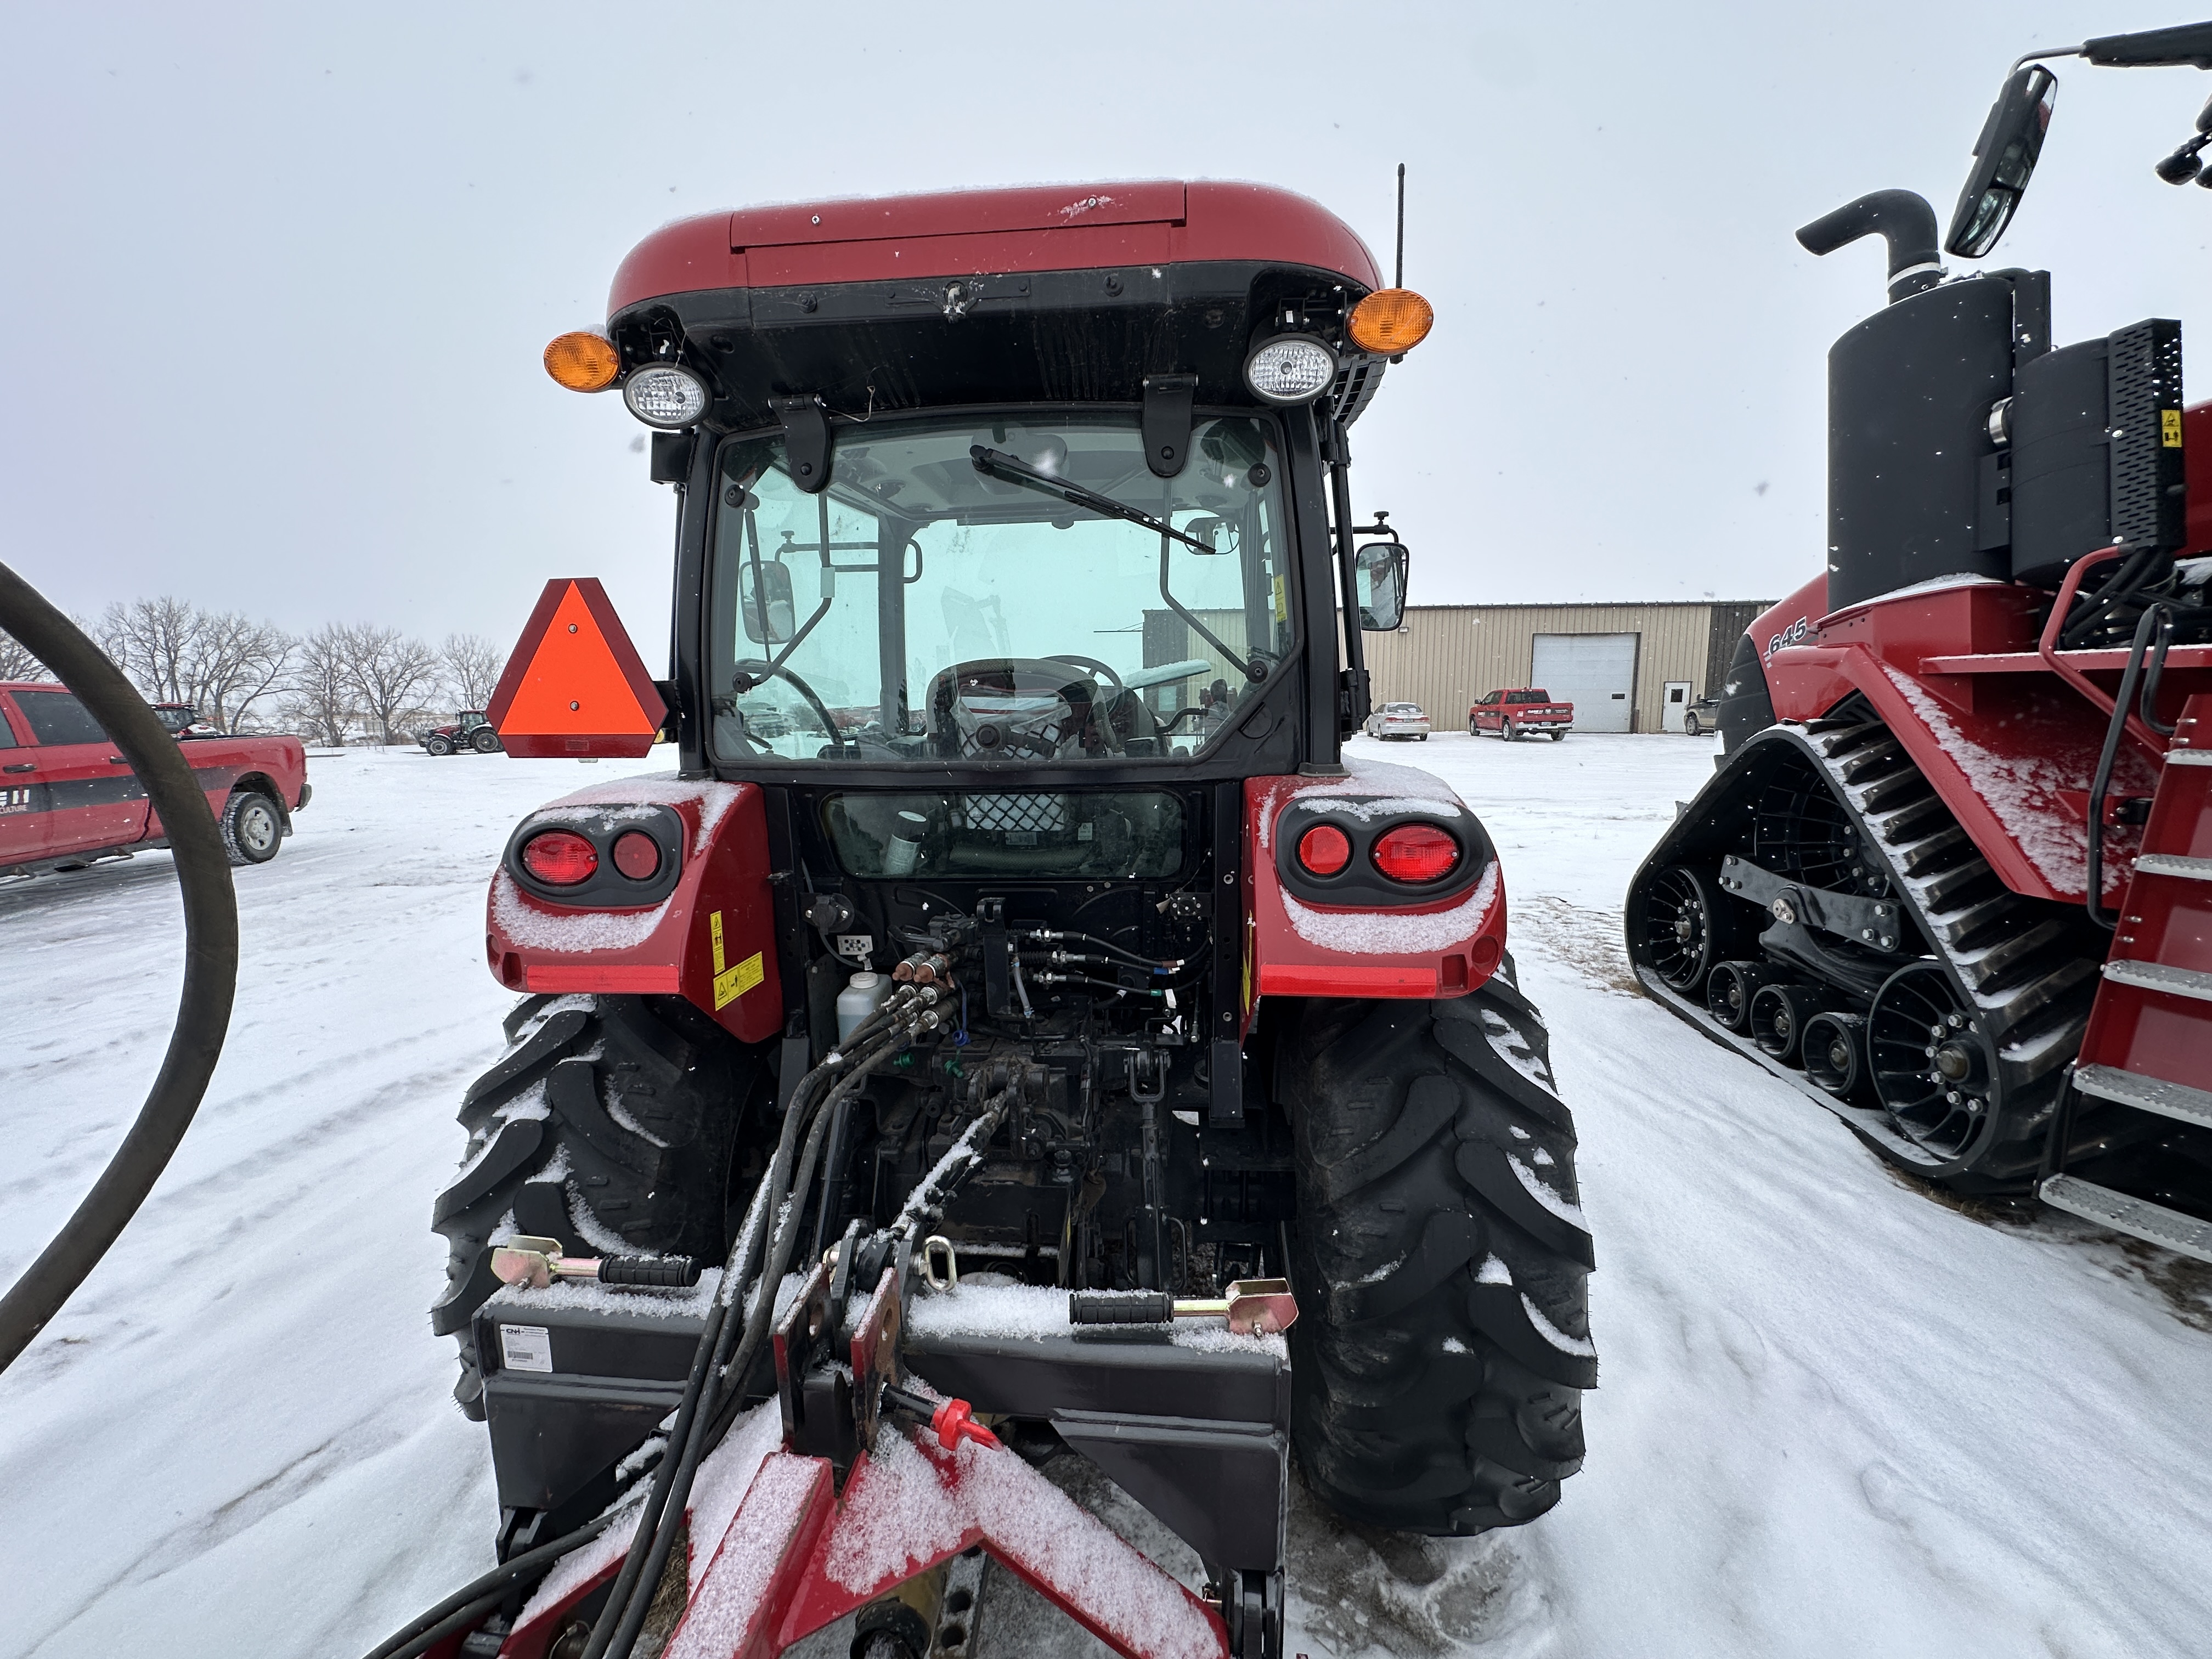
67,797
471,729
1702,717
1513,714
1398,719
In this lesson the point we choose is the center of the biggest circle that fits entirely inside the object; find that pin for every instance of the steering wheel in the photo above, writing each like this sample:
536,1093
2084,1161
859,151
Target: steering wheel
1090,663
759,669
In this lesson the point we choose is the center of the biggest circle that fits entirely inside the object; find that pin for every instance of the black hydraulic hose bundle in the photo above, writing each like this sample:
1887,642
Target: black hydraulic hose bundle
704,1416
210,961
712,1389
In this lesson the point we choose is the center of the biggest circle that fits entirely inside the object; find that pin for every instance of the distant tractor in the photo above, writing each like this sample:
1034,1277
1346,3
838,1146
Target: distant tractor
471,729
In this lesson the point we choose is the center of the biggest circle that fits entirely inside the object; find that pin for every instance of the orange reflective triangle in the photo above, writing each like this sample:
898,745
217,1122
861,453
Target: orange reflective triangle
575,672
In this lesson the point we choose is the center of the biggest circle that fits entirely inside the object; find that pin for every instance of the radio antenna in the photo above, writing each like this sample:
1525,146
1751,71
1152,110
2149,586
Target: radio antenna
1401,280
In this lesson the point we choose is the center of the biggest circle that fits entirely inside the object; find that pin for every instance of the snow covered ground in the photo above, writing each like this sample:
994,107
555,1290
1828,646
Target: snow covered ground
1836,1417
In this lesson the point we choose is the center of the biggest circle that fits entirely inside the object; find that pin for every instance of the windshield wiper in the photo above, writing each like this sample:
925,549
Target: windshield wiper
1011,469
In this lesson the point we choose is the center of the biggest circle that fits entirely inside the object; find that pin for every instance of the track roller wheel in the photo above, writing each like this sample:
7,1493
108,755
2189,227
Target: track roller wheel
1687,928
1779,1013
1930,1059
1729,991
1834,1050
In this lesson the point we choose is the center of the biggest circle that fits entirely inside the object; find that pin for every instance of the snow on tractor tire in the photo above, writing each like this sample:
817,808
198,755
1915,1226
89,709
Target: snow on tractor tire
1013,1010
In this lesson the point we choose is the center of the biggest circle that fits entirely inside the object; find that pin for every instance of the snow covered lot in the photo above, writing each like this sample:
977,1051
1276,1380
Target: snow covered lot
1836,1417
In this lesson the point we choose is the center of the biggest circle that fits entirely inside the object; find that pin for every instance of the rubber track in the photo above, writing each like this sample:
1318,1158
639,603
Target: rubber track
1426,1397
2023,962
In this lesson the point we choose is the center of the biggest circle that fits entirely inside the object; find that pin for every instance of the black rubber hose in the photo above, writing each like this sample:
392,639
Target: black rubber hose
480,1596
210,961
701,1422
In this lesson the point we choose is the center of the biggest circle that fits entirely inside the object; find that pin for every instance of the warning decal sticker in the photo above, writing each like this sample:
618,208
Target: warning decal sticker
729,986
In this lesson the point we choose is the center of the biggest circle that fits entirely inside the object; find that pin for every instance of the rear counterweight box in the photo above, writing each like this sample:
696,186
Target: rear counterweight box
577,1377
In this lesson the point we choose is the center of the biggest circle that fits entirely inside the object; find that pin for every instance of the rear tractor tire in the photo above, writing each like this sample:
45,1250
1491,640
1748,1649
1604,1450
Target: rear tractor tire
484,740
615,1124
1442,1257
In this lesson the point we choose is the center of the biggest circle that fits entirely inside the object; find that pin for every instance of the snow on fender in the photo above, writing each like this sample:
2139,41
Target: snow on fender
707,933
1353,930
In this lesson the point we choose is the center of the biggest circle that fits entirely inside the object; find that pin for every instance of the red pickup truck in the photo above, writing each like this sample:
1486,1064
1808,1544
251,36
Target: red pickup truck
1514,715
66,797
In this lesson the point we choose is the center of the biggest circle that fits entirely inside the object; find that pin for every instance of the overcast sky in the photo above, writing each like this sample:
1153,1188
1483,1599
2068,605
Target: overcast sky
279,277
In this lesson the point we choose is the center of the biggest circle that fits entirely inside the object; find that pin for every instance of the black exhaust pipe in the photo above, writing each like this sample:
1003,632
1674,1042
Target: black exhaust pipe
1902,219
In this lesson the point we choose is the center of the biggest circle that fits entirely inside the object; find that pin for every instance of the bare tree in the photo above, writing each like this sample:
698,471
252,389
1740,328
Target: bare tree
236,662
388,671
221,662
319,697
152,642
471,664
16,662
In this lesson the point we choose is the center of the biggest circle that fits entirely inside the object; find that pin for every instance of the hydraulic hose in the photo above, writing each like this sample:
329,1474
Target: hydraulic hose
703,1420
210,961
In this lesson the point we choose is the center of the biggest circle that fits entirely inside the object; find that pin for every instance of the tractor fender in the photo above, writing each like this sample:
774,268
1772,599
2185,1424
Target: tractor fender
711,939
1355,934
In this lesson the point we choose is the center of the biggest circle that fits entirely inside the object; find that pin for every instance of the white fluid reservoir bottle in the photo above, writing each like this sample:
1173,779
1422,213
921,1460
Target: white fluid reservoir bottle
863,995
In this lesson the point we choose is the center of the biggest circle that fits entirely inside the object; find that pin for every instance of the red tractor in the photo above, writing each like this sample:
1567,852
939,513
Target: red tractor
1954,877
1034,1039
471,729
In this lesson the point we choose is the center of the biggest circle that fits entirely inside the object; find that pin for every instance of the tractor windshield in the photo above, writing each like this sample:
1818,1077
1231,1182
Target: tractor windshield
941,601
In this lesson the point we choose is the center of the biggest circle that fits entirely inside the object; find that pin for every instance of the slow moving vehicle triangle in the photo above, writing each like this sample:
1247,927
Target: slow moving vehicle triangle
575,685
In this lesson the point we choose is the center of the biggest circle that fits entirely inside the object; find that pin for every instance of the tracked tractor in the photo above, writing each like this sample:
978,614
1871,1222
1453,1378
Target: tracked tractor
1953,878
1013,1032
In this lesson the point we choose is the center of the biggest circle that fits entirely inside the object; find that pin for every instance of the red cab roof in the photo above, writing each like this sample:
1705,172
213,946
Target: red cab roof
958,232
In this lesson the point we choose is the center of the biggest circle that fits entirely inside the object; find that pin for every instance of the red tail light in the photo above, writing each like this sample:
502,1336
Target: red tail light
560,858
1324,849
1416,852
637,855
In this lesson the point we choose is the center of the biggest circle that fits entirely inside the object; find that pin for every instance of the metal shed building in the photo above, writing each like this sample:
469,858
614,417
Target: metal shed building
1619,664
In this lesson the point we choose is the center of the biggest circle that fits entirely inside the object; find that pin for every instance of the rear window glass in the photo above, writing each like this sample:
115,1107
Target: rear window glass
1125,833
58,717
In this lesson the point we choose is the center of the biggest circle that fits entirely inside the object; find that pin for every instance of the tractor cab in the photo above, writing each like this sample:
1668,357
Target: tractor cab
1075,513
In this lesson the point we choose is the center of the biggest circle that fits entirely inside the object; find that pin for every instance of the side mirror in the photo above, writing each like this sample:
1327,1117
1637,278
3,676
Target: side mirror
2004,160
764,600
1379,578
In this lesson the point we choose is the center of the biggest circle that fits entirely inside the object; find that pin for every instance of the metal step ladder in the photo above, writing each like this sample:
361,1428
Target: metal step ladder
2146,1059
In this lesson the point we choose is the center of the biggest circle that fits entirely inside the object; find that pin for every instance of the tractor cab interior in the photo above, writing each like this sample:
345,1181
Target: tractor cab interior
929,606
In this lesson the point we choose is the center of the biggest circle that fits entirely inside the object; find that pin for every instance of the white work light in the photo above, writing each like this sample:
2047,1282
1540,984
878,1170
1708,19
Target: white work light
663,395
1291,368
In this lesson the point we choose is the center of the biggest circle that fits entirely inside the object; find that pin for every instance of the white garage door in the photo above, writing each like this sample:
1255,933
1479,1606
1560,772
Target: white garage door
1596,672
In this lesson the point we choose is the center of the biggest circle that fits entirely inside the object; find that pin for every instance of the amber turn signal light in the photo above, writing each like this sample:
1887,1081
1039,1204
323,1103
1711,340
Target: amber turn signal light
1390,320
583,362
